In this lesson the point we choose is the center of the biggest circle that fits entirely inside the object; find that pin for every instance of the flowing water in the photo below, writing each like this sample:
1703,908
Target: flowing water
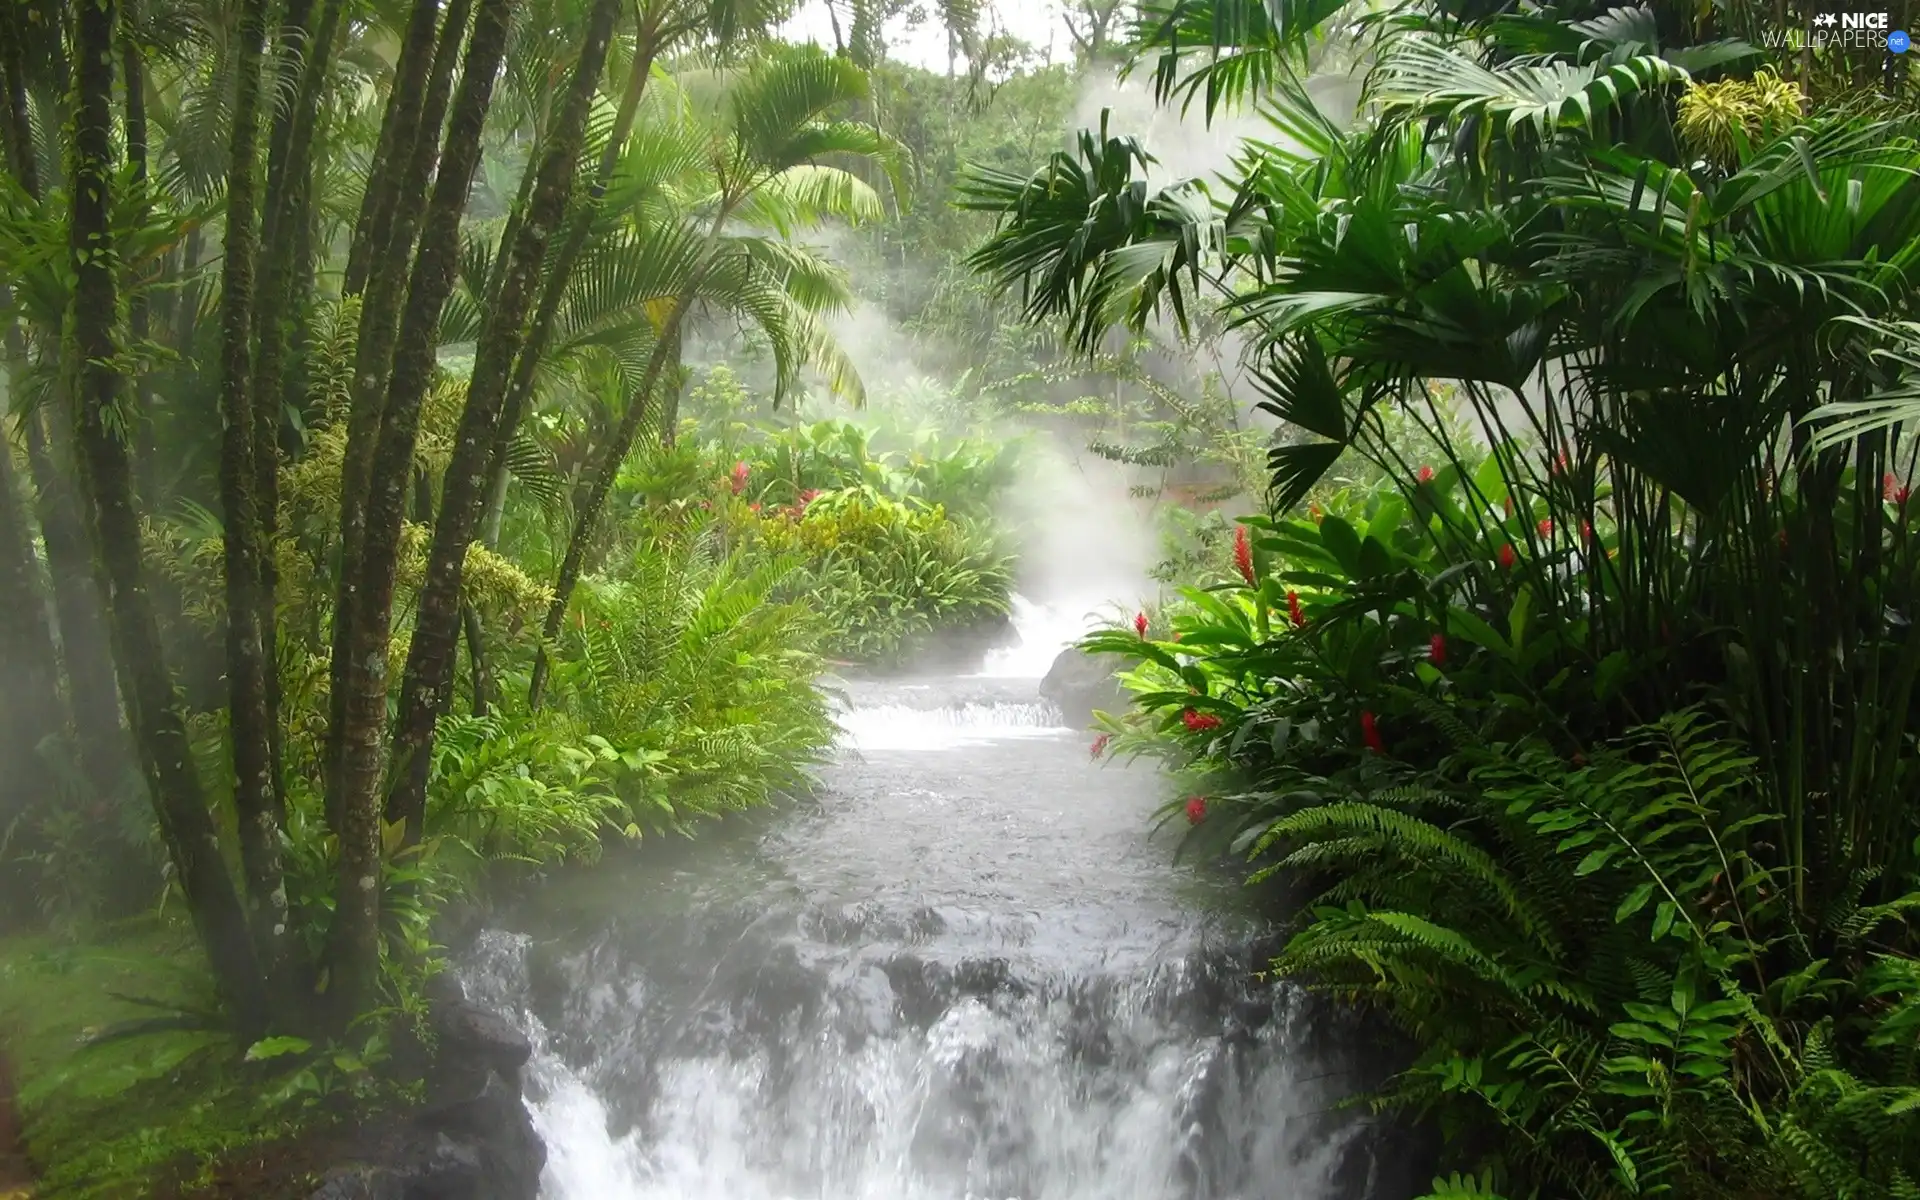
965,970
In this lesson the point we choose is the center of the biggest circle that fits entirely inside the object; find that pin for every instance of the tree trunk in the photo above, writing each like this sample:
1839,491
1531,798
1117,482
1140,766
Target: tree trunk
85,649
394,148
353,950
646,48
134,85
477,659
30,686
303,62
257,814
398,196
463,490
158,722
587,516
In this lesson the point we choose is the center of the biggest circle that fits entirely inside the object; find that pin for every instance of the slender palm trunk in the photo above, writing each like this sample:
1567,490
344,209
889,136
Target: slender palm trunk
92,698
463,491
85,649
256,796
396,197
477,659
134,83
29,682
650,39
391,152
353,949
158,721
587,516
303,61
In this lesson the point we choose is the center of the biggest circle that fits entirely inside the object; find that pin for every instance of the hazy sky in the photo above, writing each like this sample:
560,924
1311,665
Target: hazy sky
1036,22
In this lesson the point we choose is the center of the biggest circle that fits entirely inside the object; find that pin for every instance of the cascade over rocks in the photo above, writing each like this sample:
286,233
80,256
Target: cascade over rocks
474,1140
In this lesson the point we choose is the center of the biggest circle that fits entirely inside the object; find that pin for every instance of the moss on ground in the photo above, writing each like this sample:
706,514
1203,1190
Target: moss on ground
171,1113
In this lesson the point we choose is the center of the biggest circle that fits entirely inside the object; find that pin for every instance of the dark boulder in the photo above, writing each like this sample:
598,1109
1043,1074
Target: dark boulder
1079,684
474,1140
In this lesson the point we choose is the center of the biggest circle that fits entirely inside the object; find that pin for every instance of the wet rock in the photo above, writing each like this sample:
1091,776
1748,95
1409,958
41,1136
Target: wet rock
474,1141
474,1041
1079,683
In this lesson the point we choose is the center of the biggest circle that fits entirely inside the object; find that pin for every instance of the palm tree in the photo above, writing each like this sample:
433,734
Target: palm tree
764,170
1642,282
153,703
436,630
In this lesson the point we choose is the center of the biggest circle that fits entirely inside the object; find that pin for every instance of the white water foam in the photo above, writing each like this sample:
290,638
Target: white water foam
1044,629
901,727
933,1114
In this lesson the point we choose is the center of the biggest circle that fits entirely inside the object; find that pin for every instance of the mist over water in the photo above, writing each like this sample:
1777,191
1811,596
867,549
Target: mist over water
964,970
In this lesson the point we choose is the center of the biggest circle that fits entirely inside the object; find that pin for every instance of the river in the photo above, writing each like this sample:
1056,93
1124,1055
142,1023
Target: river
966,968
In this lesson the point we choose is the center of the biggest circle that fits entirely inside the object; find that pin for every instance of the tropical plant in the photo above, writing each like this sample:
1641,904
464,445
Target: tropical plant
1648,318
764,169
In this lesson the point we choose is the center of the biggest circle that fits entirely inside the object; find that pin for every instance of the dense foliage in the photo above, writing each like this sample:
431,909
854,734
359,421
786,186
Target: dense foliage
1586,730
356,550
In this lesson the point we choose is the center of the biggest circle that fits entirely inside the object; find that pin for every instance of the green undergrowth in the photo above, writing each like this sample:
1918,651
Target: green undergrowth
167,1113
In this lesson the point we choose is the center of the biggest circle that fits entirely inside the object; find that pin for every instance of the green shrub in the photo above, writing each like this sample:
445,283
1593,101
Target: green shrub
888,573
1527,802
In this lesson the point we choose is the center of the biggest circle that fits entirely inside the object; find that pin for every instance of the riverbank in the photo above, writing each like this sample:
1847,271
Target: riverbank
167,1114
130,1089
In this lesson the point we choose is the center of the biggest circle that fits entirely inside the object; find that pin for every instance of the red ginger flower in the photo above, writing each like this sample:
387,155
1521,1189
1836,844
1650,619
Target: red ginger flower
1426,475
1586,530
1243,554
1199,722
1887,484
1294,611
1100,745
1437,650
1140,624
1507,556
1370,731
1545,527
1900,495
1196,809
739,478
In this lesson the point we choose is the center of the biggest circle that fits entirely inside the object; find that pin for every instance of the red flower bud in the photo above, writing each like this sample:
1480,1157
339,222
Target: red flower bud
1294,612
1370,732
1243,554
1545,527
1507,556
1508,502
739,478
1100,744
1426,475
1196,809
1900,496
1199,722
1140,624
1317,513
1437,650
1586,530
1887,484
